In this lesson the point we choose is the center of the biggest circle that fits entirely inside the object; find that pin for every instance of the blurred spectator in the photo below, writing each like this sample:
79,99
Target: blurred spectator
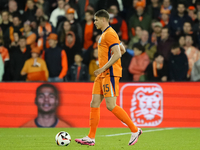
154,9
29,14
88,29
35,68
117,23
136,38
150,48
166,5
13,7
164,20
187,30
40,13
44,5
198,5
156,35
15,43
78,71
57,68
192,13
191,52
71,45
84,5
94,64
30,36
178,64
181,41
5,21
44,29
164,46
18,56
139,63
105,4
141,18
177,20
1,68
195,74
65,28
86,55
125,62
75,25
157,70
16,27
58,12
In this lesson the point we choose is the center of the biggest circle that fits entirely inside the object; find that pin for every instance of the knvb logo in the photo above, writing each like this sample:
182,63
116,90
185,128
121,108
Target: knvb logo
145,103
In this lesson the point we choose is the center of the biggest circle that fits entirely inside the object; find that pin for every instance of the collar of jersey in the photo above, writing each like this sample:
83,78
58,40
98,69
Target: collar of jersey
106,29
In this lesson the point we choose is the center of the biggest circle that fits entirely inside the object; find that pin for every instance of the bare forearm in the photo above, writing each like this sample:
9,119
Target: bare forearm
112,60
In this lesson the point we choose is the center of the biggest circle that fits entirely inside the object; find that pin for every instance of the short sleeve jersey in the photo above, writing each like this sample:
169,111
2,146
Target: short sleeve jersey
108,39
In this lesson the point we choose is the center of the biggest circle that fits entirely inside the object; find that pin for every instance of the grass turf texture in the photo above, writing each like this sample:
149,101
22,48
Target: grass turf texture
44,139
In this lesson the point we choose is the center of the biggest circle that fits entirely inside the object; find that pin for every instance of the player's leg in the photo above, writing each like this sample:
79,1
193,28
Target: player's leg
97,97
110,93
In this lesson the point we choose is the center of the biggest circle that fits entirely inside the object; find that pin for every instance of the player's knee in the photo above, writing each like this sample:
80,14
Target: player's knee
94,104
110,107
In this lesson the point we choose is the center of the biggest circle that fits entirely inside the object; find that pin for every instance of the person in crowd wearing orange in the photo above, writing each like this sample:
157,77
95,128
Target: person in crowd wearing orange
164,19
178,64
191,52
154,9
156,35
29,14
166,5
136,38
139,63
88,29
192,13
78,71
71,46
94,64
1,68
47,102
140,18
59,11
30,36
59,66
118,23
157,70
44,29
16,27
35,68
164,46
18,56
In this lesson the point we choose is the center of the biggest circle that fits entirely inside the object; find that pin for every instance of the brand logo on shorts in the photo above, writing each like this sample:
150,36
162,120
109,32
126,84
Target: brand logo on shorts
145,103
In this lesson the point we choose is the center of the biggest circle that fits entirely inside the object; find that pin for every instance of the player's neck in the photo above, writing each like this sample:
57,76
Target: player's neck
104,27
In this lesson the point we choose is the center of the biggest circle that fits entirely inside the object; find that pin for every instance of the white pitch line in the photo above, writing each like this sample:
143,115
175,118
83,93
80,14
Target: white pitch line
142,131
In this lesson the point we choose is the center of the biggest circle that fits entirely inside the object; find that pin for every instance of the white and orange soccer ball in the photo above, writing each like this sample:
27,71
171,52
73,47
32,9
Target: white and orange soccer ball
63,138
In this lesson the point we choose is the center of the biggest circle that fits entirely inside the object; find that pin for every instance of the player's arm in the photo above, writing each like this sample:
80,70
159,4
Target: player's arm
116,54
122,49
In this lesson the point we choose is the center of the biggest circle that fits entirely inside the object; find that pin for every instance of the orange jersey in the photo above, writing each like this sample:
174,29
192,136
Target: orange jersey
108,39
33,124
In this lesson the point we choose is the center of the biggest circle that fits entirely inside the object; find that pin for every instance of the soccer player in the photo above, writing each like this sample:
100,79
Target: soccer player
106,84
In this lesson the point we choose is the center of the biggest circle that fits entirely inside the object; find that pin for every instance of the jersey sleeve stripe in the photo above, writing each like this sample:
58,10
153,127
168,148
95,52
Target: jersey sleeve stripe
111,68
113,45
113,83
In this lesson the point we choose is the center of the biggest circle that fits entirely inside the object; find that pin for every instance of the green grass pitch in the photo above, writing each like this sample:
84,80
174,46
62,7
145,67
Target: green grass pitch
106,139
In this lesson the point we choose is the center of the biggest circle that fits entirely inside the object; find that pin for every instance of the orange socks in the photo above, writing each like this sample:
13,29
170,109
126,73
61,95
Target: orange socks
123,116
94,121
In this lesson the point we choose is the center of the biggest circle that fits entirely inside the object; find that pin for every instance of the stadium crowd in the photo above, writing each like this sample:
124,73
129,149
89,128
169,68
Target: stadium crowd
56,40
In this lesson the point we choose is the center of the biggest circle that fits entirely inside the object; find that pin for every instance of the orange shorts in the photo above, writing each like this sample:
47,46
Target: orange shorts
106,86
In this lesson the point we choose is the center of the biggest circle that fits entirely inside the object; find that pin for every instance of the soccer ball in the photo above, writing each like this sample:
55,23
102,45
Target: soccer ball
63,138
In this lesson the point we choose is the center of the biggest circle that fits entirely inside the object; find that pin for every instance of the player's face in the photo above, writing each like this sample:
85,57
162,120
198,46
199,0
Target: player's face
98,22
46,100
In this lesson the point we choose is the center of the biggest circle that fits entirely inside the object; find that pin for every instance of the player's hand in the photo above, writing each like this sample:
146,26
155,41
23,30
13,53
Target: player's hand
98,71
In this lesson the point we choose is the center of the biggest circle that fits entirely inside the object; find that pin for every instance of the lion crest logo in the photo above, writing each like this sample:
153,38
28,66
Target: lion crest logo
146,105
